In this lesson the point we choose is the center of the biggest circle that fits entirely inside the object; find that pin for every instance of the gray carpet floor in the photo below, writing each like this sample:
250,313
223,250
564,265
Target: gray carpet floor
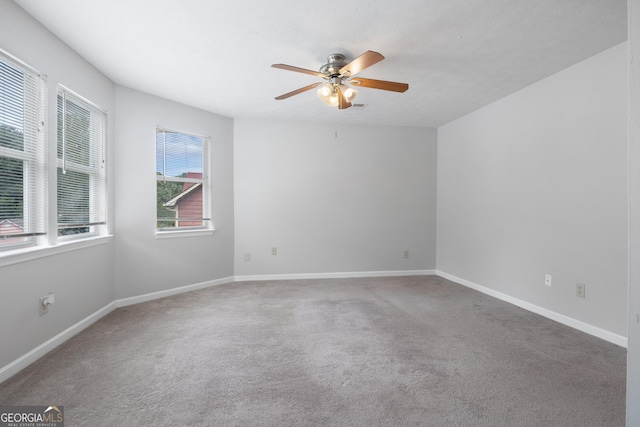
402,351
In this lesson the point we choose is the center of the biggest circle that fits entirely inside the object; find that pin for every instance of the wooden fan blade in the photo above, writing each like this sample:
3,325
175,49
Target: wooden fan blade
363,61
380,84
342,100
297,91
297,69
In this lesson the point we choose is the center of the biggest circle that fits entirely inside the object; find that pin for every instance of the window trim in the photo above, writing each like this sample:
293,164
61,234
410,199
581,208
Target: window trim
48,243
31,253
167,233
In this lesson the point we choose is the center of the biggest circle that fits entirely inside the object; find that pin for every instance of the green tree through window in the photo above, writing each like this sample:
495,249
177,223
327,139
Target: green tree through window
11,176
166,190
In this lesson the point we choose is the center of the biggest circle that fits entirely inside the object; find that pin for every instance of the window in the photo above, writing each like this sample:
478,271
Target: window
23,153
182,181
81,166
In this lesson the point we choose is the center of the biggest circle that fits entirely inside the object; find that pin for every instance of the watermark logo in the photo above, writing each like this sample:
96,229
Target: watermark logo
31,416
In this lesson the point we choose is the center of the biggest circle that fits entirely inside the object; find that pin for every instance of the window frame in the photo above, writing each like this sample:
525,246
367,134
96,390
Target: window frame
34,156
186,231
97,174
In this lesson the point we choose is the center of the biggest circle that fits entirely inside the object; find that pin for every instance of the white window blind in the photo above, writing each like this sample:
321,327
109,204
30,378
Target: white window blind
23,153
182,181
81,194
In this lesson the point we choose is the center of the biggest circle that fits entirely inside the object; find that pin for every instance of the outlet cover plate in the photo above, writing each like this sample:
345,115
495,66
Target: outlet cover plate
44,308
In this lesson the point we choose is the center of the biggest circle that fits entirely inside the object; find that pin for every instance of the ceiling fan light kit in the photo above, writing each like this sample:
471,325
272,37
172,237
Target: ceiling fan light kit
335,92
330,91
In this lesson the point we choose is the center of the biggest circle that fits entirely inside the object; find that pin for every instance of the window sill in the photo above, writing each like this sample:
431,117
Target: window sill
184,233
31,253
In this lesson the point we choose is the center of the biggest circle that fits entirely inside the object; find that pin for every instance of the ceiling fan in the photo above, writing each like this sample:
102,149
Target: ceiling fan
337,72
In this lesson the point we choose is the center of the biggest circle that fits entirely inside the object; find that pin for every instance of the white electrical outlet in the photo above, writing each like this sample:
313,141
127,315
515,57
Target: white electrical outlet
247,256
547,280
44,308
46,301
406,254
274,251
580,290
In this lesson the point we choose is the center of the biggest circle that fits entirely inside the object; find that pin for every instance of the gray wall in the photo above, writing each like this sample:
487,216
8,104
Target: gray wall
81,279
535,184
333,198
87,279
145,264
633,355
519,183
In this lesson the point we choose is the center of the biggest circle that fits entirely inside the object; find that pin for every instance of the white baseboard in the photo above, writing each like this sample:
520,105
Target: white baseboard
19,364
44,348
344,275
27,359
560,318
162,294
22,362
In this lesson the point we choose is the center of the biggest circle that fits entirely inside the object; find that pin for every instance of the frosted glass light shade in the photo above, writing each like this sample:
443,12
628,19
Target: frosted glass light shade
328,92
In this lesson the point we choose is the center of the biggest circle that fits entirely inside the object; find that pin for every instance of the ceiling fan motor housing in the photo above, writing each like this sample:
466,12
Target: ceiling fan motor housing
334,63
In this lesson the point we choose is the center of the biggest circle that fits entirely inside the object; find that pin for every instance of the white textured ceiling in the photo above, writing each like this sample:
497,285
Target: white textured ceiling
456,55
